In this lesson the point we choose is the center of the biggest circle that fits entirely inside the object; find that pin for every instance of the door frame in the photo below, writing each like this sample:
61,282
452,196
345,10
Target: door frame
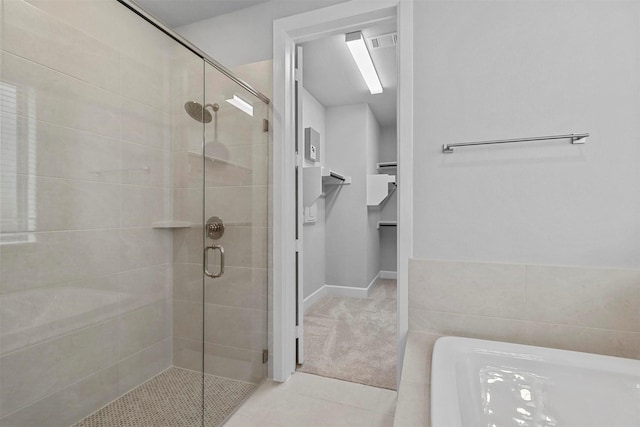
287,32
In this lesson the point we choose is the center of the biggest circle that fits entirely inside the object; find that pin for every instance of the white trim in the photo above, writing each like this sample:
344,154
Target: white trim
342,291
349,16
284,279
405,170
388,274
315,297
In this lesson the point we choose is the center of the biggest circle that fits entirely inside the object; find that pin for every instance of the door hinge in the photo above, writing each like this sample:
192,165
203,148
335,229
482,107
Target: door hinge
298,245
265,356
297,74
297,331
265,125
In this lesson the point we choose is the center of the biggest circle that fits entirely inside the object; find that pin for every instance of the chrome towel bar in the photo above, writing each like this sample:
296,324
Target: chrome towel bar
575,138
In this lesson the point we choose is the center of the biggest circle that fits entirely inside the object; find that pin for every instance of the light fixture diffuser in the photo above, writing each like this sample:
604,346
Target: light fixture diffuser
241,104
358,48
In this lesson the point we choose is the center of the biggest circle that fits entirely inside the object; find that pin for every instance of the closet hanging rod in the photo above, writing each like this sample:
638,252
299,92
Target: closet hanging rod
575,138
337,175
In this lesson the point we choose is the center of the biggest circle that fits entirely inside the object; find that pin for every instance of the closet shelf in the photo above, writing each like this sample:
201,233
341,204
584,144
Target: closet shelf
385,166
383,224
315,177
379,188
332,177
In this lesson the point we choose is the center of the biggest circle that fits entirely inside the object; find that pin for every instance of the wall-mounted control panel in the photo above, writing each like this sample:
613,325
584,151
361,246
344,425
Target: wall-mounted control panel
311,144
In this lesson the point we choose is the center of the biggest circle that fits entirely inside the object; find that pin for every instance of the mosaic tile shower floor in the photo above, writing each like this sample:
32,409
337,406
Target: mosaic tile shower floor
173,399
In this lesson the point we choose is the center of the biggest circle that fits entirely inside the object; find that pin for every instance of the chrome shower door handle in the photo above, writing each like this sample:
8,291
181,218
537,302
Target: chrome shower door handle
206,261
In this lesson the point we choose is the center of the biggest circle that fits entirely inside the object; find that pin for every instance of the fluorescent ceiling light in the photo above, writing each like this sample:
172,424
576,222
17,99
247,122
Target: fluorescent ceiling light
358,47
241,104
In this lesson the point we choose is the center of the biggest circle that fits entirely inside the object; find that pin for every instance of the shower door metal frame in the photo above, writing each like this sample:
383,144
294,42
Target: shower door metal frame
137,9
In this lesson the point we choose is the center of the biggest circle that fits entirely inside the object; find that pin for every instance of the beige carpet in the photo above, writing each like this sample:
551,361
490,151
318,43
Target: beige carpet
173,398
353,339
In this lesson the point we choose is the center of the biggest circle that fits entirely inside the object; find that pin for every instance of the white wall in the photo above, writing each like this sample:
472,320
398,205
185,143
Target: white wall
350,248
313,235
488,70
245,36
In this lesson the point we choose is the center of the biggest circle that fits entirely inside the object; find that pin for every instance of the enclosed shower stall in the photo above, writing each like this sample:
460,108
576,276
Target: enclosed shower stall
128,160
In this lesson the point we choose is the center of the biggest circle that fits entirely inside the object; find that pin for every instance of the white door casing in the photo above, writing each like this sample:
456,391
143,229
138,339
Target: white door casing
287,32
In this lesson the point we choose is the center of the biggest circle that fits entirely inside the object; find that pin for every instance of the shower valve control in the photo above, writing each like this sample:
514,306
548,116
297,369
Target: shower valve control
214,228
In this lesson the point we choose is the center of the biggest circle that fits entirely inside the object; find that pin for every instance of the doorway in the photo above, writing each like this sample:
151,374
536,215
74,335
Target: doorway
347,207
288,32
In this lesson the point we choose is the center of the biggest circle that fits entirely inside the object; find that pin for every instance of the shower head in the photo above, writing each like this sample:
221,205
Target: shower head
198,112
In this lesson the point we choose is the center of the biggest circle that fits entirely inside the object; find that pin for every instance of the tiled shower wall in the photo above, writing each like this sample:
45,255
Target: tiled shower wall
593,310
85,281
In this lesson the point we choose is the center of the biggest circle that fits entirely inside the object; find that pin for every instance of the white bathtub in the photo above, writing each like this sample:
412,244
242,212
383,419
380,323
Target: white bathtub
486,383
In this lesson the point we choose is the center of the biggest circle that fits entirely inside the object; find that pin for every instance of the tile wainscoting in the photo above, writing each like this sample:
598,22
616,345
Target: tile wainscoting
594,310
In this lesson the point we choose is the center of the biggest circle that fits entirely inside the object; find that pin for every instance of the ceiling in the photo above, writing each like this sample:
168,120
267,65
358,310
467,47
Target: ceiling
332,76
176,13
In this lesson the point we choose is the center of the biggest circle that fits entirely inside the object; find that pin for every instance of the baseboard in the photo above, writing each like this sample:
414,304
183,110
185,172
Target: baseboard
388,274
314,297
346,291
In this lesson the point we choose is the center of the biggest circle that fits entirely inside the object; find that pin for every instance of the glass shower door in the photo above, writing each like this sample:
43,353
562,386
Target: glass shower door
235,215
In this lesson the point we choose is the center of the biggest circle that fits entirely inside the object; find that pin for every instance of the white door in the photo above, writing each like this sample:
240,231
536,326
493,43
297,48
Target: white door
299,147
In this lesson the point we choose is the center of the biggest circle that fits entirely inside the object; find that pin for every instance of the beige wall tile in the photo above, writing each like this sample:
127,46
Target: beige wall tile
188,244
481,327
188,282
143,247
45,149
146,81
589,340
34,316
417,357
143,327
141,206
592,297
187,353
74,356
71,404
36,35
144,365
496,290
62,100
187,204
228,326
413,407
186,133
234,363
65,204
58,257
187,320
97,18
145,286
240,205
238,287
244,246
142,165
145,125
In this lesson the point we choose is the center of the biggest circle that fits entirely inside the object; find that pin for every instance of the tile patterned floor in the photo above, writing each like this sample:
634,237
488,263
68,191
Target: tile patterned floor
173,399
312,401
